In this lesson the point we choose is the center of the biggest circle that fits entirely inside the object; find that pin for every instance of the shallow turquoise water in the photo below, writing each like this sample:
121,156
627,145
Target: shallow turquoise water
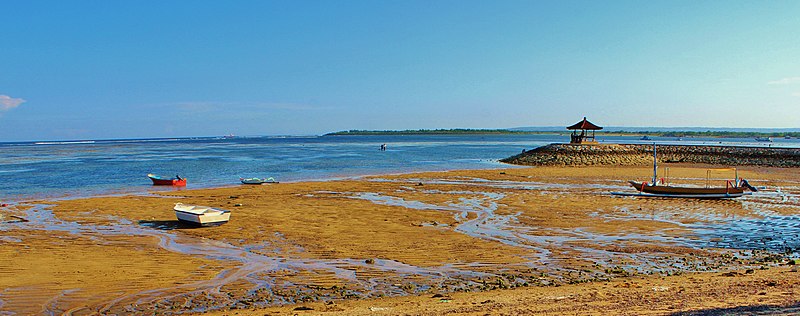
84,168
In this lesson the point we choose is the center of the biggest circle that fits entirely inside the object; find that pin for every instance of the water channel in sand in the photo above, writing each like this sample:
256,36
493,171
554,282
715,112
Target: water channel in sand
475,216
246,264
762,230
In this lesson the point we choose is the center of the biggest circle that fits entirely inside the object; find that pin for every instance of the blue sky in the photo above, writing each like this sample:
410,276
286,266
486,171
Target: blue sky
114,69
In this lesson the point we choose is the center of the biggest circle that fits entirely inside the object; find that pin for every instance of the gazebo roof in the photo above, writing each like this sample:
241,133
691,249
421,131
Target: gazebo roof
585,125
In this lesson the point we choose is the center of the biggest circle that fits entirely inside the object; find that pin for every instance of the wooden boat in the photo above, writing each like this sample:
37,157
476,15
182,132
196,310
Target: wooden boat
201,215
159,180
729,189
733,188
257,180
764,139
684,196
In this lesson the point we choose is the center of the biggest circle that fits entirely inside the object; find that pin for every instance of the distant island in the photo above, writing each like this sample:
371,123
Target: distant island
455,131
467,131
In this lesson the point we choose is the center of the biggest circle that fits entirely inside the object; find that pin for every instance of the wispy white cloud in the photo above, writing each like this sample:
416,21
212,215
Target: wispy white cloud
783,81
8,103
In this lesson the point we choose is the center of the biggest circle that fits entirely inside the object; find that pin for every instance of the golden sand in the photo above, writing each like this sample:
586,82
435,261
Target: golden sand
487,240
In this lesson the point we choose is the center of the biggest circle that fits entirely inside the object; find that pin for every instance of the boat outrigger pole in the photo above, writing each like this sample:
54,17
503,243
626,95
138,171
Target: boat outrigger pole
655,165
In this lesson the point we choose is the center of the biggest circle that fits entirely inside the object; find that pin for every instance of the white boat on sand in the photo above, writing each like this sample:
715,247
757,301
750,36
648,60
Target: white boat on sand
201,215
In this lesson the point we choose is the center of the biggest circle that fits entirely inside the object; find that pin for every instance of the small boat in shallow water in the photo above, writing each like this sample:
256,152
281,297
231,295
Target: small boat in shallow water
201,215
257,180
159,180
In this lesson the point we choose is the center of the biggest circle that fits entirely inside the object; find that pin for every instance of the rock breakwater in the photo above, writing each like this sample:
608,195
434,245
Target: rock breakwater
641,154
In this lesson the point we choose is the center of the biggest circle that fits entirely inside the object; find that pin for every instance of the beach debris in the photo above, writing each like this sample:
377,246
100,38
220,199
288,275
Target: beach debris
749,271
660,288
731,274
238,204
771,283
378,309
18,219
795,269
442,298
234,196
303,308
419,184
12,219
369,261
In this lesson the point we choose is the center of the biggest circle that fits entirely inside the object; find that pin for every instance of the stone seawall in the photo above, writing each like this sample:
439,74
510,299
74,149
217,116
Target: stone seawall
640,154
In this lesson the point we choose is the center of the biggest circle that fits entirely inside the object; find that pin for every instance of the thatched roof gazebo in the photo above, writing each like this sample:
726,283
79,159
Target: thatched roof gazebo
583,137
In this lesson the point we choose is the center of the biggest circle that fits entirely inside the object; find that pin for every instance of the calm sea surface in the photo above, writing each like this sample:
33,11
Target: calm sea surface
31,170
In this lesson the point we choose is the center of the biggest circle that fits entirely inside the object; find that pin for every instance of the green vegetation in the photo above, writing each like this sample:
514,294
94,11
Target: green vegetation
723,134
467,131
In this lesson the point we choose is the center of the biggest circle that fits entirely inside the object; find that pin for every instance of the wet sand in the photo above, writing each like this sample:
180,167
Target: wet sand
529,240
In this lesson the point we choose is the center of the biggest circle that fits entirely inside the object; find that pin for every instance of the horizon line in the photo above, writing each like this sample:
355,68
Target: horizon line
510,129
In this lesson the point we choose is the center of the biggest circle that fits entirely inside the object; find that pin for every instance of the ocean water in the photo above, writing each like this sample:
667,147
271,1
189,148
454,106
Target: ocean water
32,170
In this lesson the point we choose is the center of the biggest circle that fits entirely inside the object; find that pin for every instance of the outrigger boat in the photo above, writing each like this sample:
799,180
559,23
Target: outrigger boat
201,215
733,188
257,180
159,180
764,139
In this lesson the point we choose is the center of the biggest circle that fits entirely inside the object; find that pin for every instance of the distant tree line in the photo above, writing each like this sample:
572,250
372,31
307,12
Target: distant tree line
464,131
725,134
431,132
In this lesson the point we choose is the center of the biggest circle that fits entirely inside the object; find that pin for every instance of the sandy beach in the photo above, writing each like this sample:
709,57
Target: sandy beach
509,241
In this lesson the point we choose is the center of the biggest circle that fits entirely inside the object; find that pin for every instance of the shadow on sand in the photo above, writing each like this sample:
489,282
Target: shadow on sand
746,310
168,225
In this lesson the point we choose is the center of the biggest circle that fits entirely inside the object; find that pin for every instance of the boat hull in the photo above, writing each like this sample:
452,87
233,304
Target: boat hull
684,196
201,215
203,220
257,181
670,190
157,180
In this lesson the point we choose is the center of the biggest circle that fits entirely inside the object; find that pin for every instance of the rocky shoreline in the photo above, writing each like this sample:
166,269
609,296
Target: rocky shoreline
641,154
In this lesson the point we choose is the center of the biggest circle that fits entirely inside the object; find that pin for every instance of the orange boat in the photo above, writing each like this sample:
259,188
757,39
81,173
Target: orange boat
159,180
